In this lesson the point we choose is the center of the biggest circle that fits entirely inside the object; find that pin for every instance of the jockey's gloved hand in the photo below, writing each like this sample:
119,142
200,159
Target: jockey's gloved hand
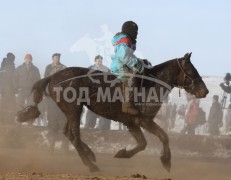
146,63
147,67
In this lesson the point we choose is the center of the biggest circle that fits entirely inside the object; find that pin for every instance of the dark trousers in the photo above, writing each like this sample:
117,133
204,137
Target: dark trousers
7,107
91,118
189,129
56,122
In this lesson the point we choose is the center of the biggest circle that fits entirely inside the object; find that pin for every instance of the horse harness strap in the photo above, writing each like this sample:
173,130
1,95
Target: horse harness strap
185,75
141,85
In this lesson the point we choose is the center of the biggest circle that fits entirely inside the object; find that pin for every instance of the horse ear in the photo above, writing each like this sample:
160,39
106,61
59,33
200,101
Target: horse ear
186,56
189,55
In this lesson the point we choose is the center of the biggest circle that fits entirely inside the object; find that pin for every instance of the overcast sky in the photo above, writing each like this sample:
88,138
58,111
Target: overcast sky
167,29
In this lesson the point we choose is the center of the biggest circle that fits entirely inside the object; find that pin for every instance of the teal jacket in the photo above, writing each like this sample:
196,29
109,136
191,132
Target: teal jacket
124,56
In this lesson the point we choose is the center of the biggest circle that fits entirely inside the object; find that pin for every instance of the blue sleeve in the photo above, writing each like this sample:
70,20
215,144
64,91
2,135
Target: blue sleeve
126,56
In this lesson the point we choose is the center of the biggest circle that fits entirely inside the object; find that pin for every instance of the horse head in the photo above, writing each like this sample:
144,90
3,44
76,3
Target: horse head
189,78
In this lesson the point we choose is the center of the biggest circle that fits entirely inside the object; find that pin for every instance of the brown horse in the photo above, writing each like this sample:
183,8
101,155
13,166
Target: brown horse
76,87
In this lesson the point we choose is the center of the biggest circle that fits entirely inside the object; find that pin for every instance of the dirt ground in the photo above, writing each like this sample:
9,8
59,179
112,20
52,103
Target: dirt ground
33,162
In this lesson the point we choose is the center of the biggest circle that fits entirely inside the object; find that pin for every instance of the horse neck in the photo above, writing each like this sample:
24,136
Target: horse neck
167,72
151,107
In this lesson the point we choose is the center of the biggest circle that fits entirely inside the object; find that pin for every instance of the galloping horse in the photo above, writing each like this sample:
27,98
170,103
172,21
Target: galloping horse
65,89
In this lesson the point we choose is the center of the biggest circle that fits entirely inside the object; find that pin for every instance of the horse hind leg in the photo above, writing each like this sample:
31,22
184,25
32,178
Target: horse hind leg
140,139
89,152
72,131
153,128
86,148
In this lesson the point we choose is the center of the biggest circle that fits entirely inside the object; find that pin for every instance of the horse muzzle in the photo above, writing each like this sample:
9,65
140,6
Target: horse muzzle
202,93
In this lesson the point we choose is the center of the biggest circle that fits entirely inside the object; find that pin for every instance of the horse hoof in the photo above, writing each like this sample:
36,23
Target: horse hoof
166,162
94,168
121,154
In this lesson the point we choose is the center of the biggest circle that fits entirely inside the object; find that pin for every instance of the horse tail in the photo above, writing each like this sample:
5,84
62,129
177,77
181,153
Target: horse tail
39,89
32,111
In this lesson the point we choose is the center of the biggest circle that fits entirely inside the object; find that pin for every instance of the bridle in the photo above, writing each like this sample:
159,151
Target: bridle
192,84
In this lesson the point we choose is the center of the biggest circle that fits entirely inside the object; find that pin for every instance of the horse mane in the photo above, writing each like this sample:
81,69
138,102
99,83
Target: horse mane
154,70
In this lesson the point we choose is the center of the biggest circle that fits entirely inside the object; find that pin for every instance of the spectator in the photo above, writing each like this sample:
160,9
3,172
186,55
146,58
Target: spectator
91,117
181,111
99,65
228,119
7,89
191,116
162,118
215,117
26,74
172,115
55,117
55,66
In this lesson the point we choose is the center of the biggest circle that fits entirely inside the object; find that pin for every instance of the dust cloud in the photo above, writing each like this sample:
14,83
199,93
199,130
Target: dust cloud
23,155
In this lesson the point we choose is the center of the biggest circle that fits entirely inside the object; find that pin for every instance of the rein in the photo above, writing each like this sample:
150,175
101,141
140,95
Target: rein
181,86
185,75
192,84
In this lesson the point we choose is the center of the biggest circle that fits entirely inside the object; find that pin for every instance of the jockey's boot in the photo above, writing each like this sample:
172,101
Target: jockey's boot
128,105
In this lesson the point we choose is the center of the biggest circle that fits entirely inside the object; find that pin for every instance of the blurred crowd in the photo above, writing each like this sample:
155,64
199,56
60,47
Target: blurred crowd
216,122
15,93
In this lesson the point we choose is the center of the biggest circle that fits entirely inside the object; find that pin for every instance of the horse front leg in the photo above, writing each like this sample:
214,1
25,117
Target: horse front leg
72,131
141,143
153,128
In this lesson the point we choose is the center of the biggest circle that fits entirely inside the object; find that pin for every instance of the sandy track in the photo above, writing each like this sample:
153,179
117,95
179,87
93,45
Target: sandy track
32,164
23,157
